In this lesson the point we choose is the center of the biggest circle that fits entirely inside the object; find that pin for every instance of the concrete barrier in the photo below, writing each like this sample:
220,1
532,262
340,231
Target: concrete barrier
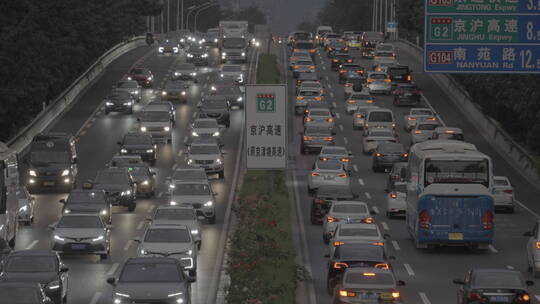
501,141
66,98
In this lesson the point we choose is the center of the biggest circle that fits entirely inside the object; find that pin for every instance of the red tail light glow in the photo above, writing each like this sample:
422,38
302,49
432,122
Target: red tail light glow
424,219
487,220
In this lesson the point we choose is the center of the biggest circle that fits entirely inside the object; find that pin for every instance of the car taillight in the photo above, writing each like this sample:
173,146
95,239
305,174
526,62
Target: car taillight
312,50
335,60
473,296
423,218
417,132
342,175
346,49
319,201
318,98
330,49
296,66
340,265
537,245
360,71
351,101
346,293
369,80
393,195
348,85
308,137
315,174
343,71
359,116
524,298
378,154
344,160
509,191
430,118
338,243
411,118
405,155
378,244
367,220
299,97
387,80
409,77
332,219
330,119
296,50
309,119
328,138
395,295
323,158
487,220
312,67
349,60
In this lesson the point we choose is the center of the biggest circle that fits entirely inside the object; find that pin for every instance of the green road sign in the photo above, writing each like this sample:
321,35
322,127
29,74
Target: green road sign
483,6
475,29
266,103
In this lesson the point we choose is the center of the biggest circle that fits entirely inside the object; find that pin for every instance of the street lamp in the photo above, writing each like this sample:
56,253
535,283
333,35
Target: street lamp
200,10
191,9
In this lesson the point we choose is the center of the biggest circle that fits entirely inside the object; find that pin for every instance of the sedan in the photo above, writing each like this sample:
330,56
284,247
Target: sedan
139,143
386,154
349,68
357,233
205,128
323,199
358,99
376,136
314,138
418,114
310,84
304,96
396,200
379,82
198,193
24,292
423,131
175,89
233,71
232,94
81,233
183,214
153,280
303,66
503,194
450,133
185,71
131,87
372,285
407,94
336,153
339,59
143,76
88,201
493,286
119,101
330,172
143,178
354,84
319,118
345,211
206,153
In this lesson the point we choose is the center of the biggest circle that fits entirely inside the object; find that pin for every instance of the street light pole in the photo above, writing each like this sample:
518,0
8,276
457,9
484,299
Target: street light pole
180,16
168,15
199,11
191,9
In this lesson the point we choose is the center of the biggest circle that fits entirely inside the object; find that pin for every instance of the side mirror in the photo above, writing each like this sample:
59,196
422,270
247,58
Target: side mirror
74,160
153,173
149,219
386,236
137,240
111,281
191,279
64,269
52,226
62,201
108,226
529,283
528,233
400,283
372,212
458,282
119,143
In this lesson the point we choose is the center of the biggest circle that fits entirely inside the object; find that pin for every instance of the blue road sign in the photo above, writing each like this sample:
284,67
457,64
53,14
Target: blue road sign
391,27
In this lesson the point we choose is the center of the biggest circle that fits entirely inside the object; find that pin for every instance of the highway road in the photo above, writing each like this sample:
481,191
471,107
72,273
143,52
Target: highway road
97,137
428,274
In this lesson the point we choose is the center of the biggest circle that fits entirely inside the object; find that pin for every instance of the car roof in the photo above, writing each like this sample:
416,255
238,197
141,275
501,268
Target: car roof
155,260
168,225
33,253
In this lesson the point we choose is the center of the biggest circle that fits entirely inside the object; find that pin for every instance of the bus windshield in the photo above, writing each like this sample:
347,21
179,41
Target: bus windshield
456,172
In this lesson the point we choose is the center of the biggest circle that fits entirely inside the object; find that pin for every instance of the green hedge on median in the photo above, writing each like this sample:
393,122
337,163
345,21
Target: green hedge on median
267,70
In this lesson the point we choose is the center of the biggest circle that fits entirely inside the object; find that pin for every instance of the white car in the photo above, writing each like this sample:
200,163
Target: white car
329,172
349,211
183,214
337,153
396,201
416,115
375,136
533,250
423,131
380,118
356,100
503,193
25,215
157,123
356,233
198,193
304,96
233,71
359,116
204,128
379,82
298,56
319,117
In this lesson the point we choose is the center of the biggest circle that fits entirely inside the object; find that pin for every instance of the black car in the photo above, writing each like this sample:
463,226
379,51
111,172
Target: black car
349,68
118,185
334,47
23,292
407,94
88,201
314,138
119,101
175,89
323,198
306,77
339,59
151,280
197,55
386,154
215,107
232,94
399,73
354,255
139,143
504,286
37,266
397,176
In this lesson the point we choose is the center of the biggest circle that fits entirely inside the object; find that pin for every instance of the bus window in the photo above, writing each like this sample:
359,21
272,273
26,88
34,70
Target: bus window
456,172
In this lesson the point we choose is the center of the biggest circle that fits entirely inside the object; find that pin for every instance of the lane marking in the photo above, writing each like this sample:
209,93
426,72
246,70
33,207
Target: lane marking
96,297
409,269
180,153
510,267
492,249
34,242
141,224
128,244
175,165
82,133
329,85
341,128
346,140
385,226
205,85
327,79
334,103
185,139
324,68
194,114
396,245
355,168
537,297
332,95
360,181
368,195
338,115
424,298
151,209
113,269
527,208
160,194
375,209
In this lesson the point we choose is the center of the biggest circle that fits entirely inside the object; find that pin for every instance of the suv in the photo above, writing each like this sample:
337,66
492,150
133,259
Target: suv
183,214
197,55
198,193
52,162
158,123
119,101
215,107
88,201
206,153
139,143
129,86
118,185
185,71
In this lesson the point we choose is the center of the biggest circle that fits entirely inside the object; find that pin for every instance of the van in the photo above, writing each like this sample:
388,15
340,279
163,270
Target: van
380,118
322,29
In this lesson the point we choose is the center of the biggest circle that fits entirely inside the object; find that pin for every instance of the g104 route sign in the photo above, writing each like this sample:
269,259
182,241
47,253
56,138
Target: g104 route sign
482,36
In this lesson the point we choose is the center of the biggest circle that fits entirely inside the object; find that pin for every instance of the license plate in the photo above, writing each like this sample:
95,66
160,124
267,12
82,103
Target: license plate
407,94
502,299
48,183
78,246
329,177
455,236
369,296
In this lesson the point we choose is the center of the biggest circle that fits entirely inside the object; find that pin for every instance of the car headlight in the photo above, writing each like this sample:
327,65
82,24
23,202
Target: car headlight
194,231
124,193
123,295
257,43
193,74
223,55
104,212
195,134
243,54
190,55
204,55
183,93
218,161
177,74
173,203
239,99
23,208
175,49
129,78
123,151
221,75
166,129
150,151
99,238
135,92
108,103
213,88
160,49
149,78
190,161
65,172
67,211
127,103
145,183
189,252
209,204
32,173
53,285
182,40
163,93
216,133
58,238
143,129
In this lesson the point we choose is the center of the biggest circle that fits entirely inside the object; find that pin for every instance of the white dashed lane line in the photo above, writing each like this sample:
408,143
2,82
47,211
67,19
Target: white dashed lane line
194,114
332,94
334,103
409,269
492,249
355,168
185,139
368,195
327,79
338,116
375,209
346,140
31,245
424,298
141,224
180,153
96,297
385,226
128,244
360,181
341,128
396,245
510,267
329,85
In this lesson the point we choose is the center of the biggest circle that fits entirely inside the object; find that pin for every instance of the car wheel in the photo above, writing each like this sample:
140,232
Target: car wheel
212,219
131,207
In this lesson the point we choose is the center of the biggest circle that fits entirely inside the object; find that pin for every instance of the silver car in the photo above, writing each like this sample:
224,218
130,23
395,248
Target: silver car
81,233
375,136
380,118
158,123
319,117
175,90
25,215
533,250
198,193
357,233
358,99
183,214
206,153
305,96
205,128
130,86
303,66
170,240
503,194
185,71
416,115
233,71
349,211
379,82
337,153
423,131
372,285
329,172
310,84
359,116
187,174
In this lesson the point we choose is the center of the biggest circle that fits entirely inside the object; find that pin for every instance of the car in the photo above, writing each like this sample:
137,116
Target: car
386,154
503,194
232,94
310,84
118,185
339,59
183,214
375,285
533,250
295,55
139,143
81,233
157,122
151,279
215,107
336,153
418,114
206,153
354,256
162,105
335,47
324,197
233,71
396,200
379,82
321,30
407,94
305,45
303,66
353,40
169,46
399,73
175,89
205,128
131,87
449,133
307,77
314,138
222,82
185,71
119,101
492,285
383,59
143,76
329,172
359,115
197,55
358,99
376,136
25,213
120,159
349,68
198,193
170,240
24,292
423,130
330,38
88,201
142,176
43,267
320,117
354,84
396,176
304,96
346,232
187,174
380,118
345,211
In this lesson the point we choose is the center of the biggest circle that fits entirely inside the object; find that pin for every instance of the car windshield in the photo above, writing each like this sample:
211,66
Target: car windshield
333,151
356,231
119,95
310,93
191,189
137,140
300,54
319,113
366,252
350,208
385,48
127,84
456,172
311,85
389,148
500,182
398,71
497,279
428,127
175,214
304,45
150,273
304,62
160,116
204,149
302,36
351,66
112,177
137,71
384,54
215,104
233,43
316,131
452,136
185,67
377,76
31,264
20,295
380,117
53,157
232,68
422,112
369,278
86,197
74,221
175,84
167,235
205,124
227,91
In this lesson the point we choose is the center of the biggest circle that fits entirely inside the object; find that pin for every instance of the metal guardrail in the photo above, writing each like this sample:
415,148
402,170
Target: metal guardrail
66,98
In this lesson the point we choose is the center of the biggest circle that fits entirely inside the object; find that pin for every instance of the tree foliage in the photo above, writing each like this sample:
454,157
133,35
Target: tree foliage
47,44
344,15
253,15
